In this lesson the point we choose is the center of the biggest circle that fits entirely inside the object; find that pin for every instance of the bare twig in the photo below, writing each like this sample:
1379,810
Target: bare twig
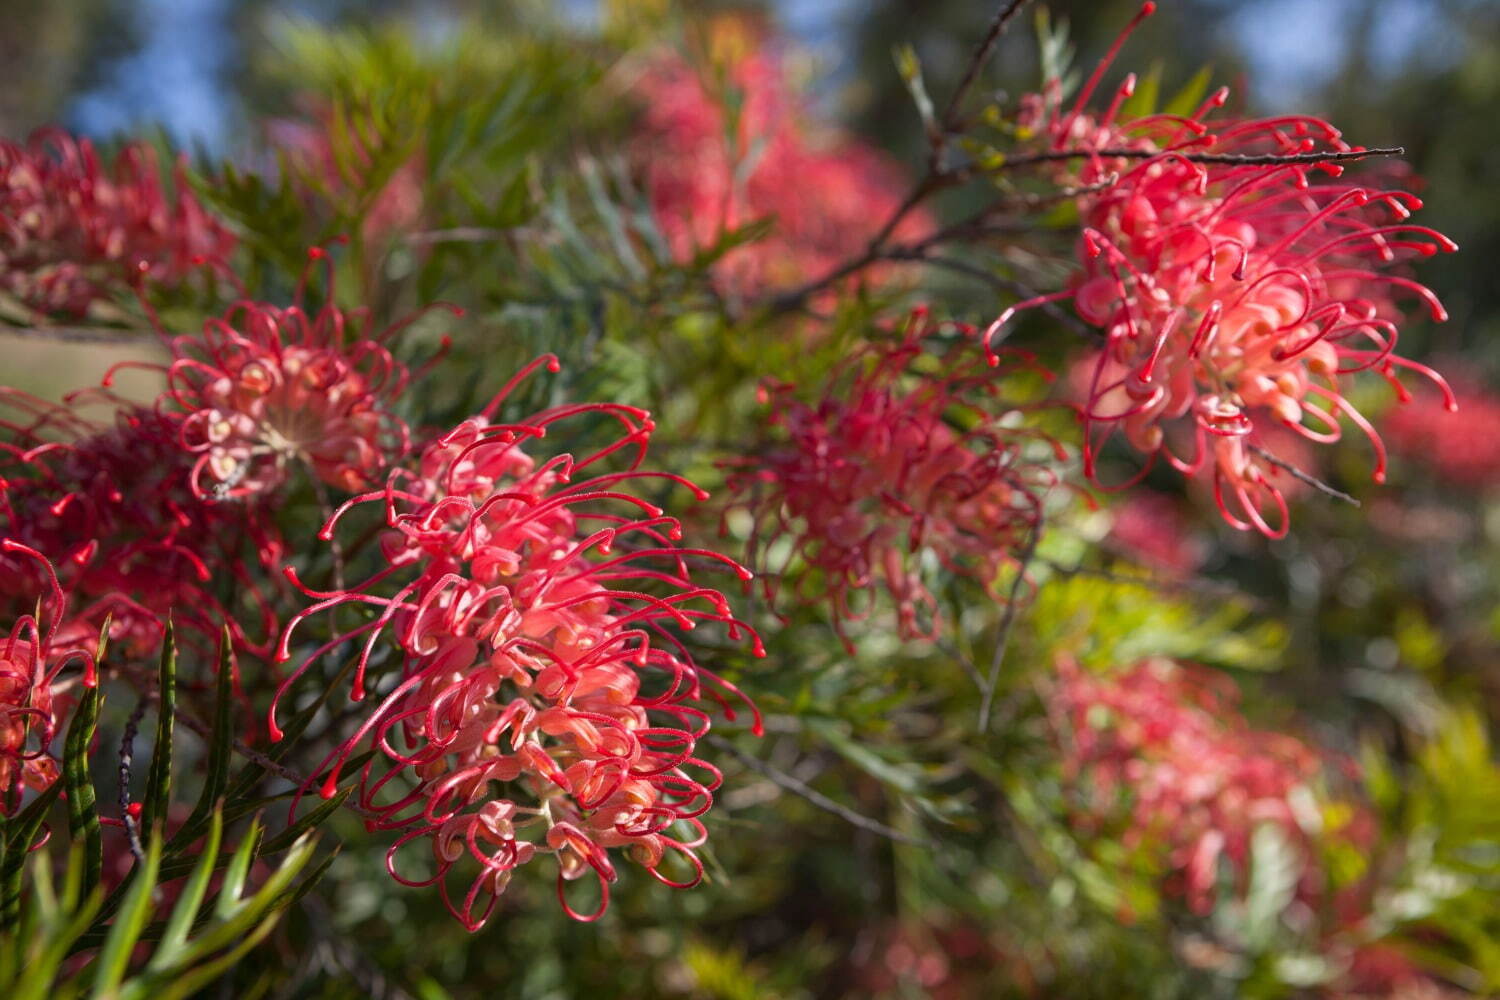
127,757
1012,610
799,787
1304,477
982,53
1240,159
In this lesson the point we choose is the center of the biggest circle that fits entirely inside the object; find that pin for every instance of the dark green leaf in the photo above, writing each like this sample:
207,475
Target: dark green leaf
83,814
159,781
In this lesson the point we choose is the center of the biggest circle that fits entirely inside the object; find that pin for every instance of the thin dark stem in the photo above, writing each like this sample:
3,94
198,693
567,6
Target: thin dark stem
127,758
801,788
1304,477
1012,610
1241,159
981,57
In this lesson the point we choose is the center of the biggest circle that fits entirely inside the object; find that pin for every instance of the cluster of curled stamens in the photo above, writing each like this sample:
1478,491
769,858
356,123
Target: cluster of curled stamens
1158,755
75,231
263,388
1237,281
905,453
546,702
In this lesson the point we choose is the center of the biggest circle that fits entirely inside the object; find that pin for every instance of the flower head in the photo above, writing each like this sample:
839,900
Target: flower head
1159,753
1237,281
262,388
824,193
112,506
905,454
1448,443
74,231
546,703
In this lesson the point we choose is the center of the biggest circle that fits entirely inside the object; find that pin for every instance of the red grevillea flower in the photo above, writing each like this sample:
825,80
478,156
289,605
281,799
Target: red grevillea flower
545,704
1159,753
264,387
29,709
112,506
706,173
1150,526
906,454
1232,295
1456,448
73,231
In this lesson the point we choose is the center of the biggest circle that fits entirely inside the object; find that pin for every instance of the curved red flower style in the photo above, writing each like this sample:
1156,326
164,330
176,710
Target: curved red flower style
1233,294
30,662
546,703
74,231
905,454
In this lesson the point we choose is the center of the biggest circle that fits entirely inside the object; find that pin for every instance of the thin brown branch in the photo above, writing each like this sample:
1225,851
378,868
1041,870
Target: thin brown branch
981,57
801,788
1240,159
1304,477
1012,611
127,758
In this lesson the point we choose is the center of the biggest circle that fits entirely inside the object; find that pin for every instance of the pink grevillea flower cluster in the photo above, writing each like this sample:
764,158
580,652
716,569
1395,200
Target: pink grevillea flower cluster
1158,753
74,231
1233,295
264,388
1459,449
708,173
112,506
1152,528
30,662
906,454
546,704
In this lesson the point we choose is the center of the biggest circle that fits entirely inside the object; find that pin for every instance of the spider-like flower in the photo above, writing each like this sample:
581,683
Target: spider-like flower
546,704
1159,754
1447,443
30,661
709,171
263,388
907,455
111,505
1150,527
74,231
1235,287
